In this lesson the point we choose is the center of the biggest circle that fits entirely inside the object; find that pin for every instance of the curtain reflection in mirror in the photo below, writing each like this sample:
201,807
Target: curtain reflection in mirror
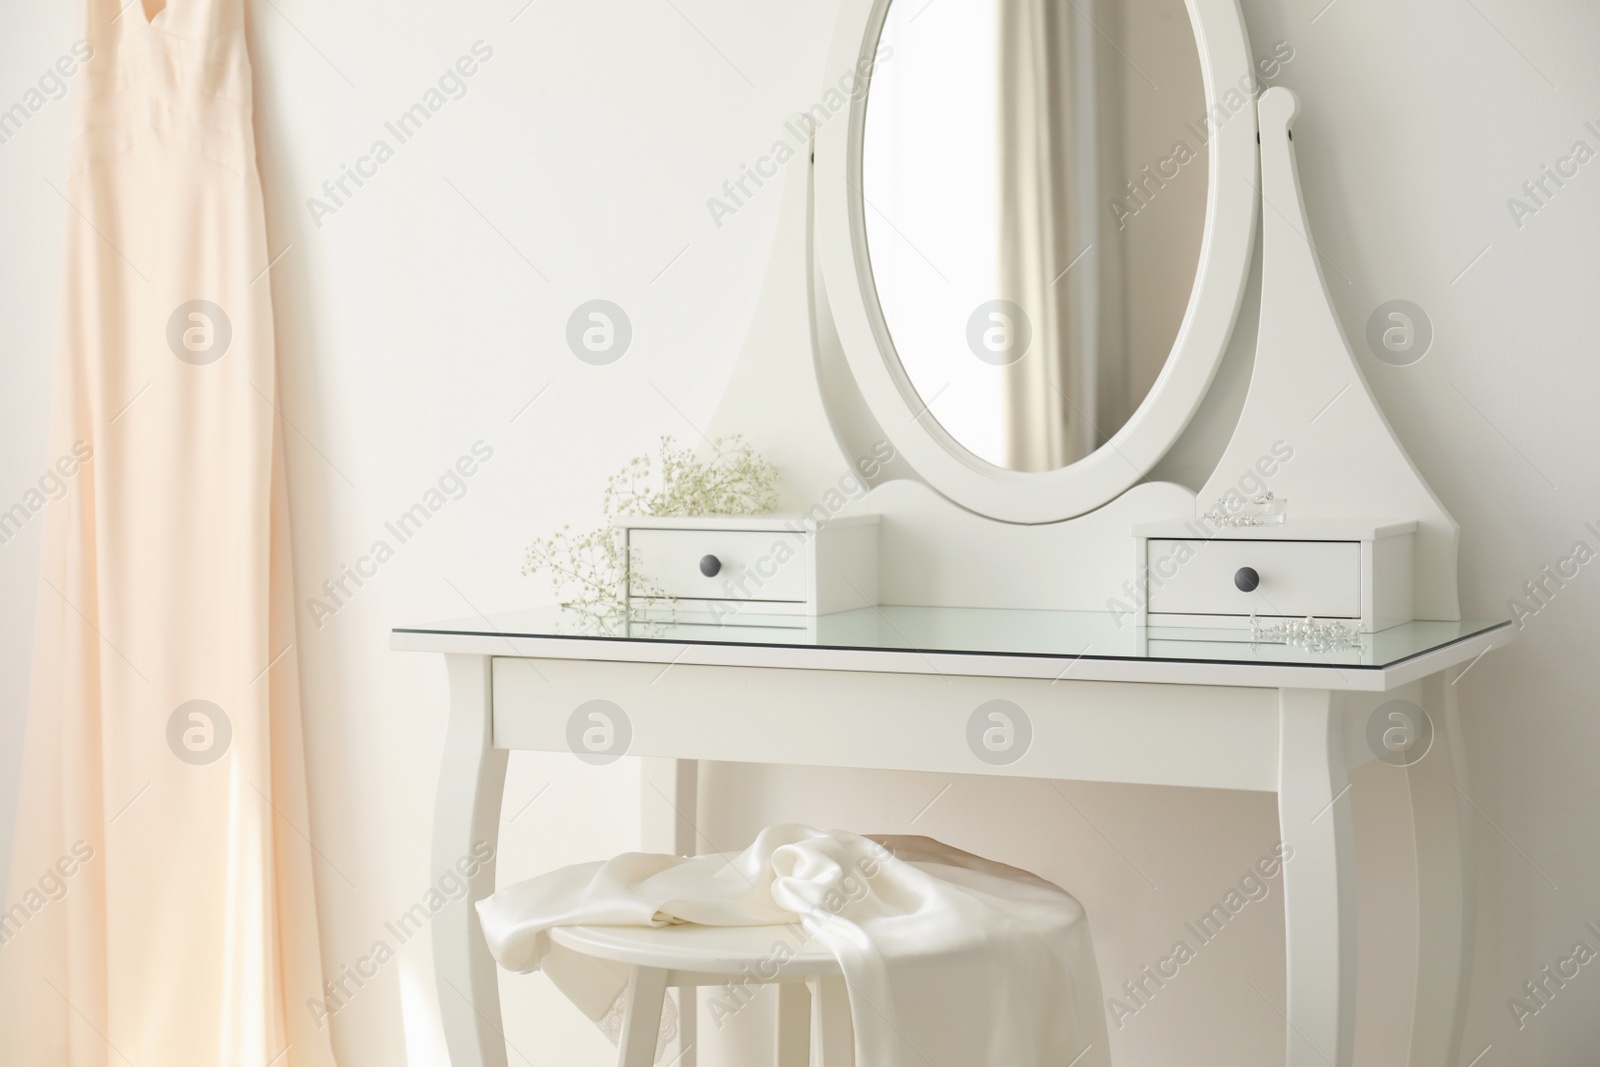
1031,307
1045,153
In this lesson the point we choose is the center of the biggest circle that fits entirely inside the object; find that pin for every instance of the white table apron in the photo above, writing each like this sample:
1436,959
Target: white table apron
1293,730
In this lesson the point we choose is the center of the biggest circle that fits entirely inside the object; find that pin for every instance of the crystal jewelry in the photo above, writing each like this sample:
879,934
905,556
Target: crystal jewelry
1306,633
1261,510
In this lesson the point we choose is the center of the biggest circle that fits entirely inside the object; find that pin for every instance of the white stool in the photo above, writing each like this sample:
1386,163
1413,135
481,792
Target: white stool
810,985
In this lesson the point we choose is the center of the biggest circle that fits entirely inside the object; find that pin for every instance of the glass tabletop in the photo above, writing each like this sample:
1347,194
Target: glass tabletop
972,631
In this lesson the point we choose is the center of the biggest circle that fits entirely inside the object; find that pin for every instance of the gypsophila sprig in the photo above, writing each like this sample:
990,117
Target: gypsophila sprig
588,571
585,568
734,481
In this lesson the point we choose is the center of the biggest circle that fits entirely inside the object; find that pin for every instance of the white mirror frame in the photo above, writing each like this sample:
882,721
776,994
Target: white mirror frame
1225,254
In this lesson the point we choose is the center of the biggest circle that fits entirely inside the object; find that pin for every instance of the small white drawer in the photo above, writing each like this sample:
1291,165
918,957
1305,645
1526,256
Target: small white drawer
762,565
1289,578
745,564
1191,574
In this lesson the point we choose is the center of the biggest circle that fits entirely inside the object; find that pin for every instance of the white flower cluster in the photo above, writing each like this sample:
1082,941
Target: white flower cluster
589,570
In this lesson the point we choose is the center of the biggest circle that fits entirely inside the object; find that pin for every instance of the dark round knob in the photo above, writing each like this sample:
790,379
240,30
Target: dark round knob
710,565
1246,579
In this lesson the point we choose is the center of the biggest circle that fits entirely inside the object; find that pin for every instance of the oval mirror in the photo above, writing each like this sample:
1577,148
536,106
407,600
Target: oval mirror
1034,232
1035,207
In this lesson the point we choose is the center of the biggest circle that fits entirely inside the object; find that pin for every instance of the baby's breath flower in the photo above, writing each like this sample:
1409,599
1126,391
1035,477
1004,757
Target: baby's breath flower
588,571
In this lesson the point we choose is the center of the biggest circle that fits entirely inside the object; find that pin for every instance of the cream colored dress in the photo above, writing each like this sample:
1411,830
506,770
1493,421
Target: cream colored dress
160,908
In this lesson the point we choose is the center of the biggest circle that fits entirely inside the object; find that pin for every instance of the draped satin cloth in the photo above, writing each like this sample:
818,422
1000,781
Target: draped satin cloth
951,960
160,906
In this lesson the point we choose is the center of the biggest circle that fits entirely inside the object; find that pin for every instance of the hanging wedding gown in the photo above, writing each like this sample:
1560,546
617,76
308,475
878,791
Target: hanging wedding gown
160,907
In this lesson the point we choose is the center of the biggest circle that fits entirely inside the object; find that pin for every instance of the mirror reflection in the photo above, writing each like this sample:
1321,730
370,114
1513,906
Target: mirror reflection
1034,177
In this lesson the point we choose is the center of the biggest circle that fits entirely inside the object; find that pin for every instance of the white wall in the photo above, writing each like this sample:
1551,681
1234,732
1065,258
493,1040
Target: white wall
415,321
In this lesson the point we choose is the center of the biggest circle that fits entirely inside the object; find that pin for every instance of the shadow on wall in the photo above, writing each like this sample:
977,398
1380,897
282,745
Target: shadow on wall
304,424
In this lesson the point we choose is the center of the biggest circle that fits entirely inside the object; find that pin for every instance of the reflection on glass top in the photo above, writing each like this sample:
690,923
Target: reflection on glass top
973,631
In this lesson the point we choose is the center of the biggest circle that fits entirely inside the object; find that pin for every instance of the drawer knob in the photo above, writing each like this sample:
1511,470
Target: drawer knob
1245,579
710,565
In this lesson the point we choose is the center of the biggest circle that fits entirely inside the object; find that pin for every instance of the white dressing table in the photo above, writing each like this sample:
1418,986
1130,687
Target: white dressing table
1077,507
898,687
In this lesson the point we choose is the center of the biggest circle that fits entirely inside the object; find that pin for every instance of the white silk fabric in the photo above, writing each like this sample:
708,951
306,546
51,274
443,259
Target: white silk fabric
951,960
160,907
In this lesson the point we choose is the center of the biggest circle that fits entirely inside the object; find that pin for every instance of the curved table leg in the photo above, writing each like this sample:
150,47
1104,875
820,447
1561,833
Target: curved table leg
466,824
1314,817
1446,890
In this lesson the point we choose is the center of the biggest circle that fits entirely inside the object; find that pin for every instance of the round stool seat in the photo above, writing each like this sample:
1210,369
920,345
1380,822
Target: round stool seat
771,951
